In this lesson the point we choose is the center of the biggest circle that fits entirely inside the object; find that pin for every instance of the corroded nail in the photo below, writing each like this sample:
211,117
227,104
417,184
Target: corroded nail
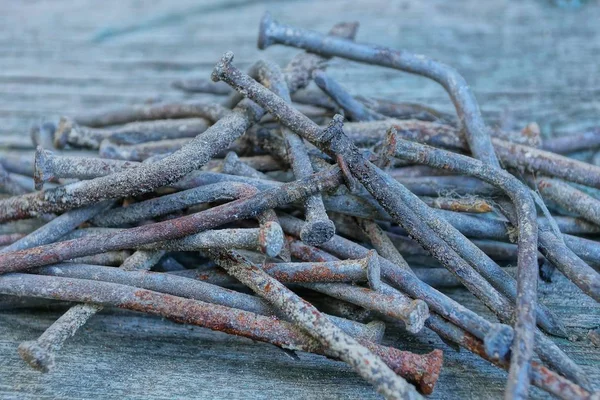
477,133
201,86
172,229
195,289
163,205
388,192
132,133
142,151
232,165
124,115
40,353
422,370
143,179
330,271
49,166
355,110
572,143
268,239
369,366
58,227
9,185
569,197
319,228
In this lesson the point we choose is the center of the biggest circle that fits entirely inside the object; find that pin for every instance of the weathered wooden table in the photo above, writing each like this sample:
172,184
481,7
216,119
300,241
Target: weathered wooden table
527,61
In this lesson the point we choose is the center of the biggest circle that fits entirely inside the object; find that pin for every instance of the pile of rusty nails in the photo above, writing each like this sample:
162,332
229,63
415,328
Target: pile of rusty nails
293,190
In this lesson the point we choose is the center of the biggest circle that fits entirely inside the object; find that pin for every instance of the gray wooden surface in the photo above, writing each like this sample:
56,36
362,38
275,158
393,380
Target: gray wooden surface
527,61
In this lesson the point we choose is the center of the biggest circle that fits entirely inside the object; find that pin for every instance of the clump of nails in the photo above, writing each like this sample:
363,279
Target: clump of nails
195,201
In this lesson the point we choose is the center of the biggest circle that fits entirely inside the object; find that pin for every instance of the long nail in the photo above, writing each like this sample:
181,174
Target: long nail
413,313
403,280
192,289
572,143
201,86
143,179
40,353
423,370
476,132
354,109
267,239
388,192
142,151
572,199
124,115
332,271
172,229
58,227
543,162
319,228
75,135
169,203
8,184
233,166
540,375
49,166
309,318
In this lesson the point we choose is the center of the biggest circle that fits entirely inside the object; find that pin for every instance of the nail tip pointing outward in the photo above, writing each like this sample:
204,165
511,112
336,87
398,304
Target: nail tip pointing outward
36,356
317,232
219,70
41,170
264,39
